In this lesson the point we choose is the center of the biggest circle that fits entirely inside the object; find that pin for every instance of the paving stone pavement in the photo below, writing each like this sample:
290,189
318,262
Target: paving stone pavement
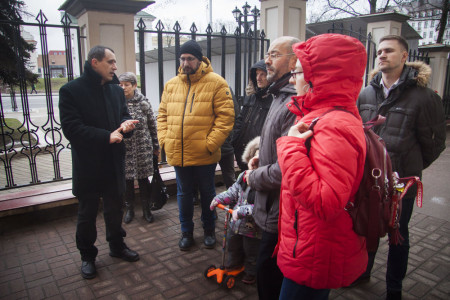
39,260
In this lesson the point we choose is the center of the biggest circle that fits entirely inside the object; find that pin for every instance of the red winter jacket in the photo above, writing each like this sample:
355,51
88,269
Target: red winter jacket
317,246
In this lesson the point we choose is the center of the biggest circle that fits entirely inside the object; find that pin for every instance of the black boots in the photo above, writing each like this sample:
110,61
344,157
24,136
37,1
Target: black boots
146,211
88,270
145,198
187,241
209,239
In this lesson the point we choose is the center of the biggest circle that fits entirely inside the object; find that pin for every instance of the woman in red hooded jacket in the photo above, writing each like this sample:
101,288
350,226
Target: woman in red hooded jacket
317,248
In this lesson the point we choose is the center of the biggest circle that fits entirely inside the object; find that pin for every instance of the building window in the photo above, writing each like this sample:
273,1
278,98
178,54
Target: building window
424,35
431,34
432,23
419,25
425,25
430,13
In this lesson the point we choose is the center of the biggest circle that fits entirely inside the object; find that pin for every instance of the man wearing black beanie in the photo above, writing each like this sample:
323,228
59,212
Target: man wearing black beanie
196,115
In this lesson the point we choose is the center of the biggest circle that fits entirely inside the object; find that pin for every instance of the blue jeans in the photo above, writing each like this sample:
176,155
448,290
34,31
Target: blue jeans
187,178
293,290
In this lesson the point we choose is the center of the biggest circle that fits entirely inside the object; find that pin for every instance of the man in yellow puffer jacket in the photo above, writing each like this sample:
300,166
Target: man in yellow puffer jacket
196,115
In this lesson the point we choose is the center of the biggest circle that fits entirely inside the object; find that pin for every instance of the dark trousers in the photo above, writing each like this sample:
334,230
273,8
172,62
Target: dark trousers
242,250
398,254
226,164
86,225
292,290
268,276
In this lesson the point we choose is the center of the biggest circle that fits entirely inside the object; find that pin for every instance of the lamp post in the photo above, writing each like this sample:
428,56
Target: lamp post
238,15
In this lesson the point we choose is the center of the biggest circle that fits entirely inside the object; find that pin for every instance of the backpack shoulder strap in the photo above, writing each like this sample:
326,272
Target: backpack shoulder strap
314,122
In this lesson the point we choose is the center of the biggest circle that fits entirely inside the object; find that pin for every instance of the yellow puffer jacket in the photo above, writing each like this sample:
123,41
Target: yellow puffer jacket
195,117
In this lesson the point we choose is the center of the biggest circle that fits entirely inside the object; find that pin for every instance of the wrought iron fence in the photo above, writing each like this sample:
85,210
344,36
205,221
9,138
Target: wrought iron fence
25,145
365,40
250,46
34,151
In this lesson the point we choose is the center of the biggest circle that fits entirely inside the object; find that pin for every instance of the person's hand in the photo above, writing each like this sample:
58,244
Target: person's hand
246,177
235,215
300,130
115,136
128,125
253,163
213,204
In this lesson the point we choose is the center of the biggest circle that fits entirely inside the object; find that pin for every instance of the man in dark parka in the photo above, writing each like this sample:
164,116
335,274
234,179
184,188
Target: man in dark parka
414,133
94,118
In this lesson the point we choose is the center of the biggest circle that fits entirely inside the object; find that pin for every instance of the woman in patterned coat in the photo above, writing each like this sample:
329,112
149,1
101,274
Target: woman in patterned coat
140,148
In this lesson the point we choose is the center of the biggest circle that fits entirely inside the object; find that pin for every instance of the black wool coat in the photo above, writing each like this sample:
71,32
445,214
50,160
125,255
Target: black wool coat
89,112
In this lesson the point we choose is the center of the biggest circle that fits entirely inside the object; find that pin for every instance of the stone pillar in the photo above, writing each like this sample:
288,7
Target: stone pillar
379,25
439,55
283,17
109,23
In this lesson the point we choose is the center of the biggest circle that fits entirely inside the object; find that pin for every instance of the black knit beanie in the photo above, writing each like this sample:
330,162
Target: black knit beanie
192,47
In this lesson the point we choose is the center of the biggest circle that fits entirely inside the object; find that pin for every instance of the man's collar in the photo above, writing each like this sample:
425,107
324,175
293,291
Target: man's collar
275,87
387,90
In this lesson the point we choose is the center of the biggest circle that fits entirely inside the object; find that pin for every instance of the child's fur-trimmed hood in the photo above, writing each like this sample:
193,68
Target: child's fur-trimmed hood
250,150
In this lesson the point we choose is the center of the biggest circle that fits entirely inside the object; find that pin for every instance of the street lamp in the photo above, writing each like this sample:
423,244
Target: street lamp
237,14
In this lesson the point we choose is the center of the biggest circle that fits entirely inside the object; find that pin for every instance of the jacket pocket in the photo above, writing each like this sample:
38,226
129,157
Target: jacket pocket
296,232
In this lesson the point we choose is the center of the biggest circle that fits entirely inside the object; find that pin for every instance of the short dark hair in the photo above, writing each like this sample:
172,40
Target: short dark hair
97,52
398,38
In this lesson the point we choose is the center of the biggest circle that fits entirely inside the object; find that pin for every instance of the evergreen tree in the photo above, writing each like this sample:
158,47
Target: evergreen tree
13,59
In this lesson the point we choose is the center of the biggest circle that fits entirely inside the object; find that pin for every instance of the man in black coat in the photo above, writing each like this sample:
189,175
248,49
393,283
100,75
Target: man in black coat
251,119
94,118
414,132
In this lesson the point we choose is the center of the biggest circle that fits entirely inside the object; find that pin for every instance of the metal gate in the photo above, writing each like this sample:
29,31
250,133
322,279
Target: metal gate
33,149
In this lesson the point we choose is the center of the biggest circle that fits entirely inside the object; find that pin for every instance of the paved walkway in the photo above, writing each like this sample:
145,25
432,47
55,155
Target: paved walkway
39,259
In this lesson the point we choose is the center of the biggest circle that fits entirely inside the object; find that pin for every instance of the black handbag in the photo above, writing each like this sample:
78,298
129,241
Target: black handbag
159,194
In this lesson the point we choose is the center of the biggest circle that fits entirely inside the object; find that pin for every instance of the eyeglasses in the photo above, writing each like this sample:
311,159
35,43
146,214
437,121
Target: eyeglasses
294,74
188,59
274,56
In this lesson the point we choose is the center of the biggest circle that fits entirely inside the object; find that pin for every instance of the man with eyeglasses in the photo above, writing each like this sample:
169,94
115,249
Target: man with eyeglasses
264,174
195,117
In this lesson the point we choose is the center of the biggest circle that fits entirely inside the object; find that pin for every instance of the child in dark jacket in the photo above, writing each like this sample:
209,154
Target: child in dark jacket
243,234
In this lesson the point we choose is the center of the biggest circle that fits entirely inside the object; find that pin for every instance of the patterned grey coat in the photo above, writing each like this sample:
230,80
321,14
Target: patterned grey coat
140,147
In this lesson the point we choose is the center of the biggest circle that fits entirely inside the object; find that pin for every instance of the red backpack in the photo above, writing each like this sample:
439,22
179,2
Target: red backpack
376,209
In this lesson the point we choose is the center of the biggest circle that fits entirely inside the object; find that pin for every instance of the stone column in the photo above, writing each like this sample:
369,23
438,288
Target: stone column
109,23
383,24
283,17
439,55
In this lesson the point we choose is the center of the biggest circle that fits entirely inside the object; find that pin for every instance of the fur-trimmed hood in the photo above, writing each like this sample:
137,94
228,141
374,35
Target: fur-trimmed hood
421,69
251,150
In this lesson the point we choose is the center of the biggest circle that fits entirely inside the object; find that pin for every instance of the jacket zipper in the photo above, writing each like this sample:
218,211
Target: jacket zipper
182,123
296,232
192,101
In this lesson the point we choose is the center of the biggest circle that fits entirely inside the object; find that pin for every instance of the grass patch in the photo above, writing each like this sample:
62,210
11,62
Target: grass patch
55,83
15,135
